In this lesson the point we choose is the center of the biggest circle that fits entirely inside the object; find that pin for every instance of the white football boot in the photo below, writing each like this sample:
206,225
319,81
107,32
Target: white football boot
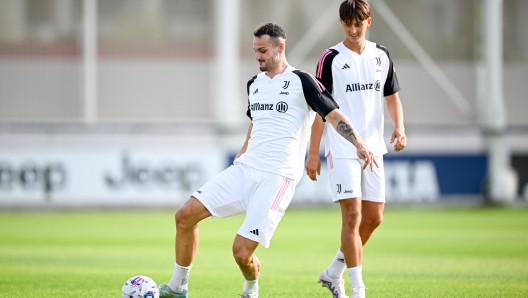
336,286
249,295
358,292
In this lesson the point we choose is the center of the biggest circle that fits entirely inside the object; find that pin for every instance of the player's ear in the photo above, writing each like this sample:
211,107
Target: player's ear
281,46
369,22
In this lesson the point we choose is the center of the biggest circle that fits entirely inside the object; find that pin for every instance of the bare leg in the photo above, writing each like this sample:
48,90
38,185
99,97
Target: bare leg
372,217
243,251
351,250
187,236
351,244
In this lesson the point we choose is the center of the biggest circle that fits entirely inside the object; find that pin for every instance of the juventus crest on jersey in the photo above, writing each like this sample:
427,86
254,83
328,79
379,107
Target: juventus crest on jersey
358,82
282,111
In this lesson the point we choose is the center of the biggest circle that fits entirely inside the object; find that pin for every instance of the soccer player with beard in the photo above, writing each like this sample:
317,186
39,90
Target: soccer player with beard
360,76
282,103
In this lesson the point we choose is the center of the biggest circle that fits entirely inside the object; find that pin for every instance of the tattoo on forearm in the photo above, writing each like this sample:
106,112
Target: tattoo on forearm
347,132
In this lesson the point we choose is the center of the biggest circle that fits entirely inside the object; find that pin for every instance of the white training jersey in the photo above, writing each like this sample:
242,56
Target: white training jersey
282,112
358,83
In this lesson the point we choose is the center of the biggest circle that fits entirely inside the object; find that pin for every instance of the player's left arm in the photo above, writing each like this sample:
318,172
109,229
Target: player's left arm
395,109
344,127
394,106
322,102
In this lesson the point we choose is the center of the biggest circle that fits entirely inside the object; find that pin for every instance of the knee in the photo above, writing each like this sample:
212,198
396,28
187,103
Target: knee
183,219
352,216
242,257
373,221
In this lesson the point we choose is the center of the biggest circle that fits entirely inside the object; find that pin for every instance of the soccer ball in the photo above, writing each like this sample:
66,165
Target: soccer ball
140,287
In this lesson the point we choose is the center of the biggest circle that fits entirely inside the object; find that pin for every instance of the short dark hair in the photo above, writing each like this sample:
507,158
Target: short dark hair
273,30
354,10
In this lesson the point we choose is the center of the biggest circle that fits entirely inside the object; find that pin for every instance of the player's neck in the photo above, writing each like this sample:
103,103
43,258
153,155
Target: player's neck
356,47
280,68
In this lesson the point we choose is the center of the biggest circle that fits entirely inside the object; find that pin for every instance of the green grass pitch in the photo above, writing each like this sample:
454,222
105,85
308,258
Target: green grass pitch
415,253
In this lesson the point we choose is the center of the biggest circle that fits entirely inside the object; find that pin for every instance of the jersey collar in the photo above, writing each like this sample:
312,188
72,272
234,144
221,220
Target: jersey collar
288,69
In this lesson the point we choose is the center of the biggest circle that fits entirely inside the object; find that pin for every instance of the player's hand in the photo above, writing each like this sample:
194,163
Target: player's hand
367,156
401,139
313,166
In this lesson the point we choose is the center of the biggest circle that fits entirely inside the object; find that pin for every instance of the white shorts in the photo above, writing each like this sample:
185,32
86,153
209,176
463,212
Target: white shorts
348,180
263,196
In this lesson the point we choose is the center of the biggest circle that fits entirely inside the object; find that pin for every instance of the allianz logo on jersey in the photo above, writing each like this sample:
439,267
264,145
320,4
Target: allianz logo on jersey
261,107
361,87
280,107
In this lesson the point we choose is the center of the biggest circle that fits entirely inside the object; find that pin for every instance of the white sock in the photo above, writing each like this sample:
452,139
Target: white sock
356,276
251,286
180,278
337,267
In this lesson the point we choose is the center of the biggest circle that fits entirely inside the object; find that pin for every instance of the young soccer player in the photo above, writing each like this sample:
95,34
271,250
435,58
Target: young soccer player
360,76
261,182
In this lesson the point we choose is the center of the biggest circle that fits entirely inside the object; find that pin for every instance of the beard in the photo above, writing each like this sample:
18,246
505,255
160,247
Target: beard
263,68
269,64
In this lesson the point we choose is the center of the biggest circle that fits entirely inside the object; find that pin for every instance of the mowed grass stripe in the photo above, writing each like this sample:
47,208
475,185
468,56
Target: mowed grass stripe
415,253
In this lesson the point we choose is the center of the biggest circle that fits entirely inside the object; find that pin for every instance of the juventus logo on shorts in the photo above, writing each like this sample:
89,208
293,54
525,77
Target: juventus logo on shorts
378,61
338,188
286,85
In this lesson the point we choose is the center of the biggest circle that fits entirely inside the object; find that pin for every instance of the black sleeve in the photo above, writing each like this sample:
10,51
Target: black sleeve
391,83
324,69
248,113
316,95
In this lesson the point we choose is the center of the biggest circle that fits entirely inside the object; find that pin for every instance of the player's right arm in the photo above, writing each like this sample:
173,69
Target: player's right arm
324,75
313,161
244,147
248,113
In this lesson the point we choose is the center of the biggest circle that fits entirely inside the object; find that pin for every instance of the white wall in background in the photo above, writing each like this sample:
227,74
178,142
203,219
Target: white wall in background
108,177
